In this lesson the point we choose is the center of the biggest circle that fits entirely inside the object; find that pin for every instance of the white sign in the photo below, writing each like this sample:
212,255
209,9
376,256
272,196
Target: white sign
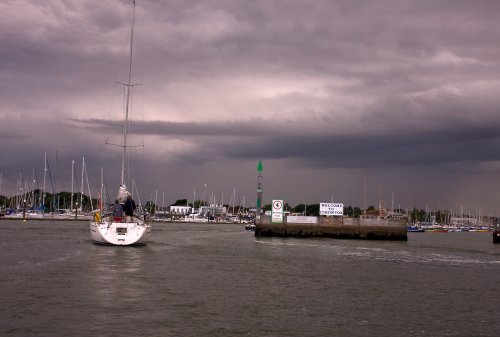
301,219
330,208
277,211
278,206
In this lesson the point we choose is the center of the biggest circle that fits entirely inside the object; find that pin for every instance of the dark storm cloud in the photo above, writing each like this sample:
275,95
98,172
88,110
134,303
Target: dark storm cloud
458,141
325,85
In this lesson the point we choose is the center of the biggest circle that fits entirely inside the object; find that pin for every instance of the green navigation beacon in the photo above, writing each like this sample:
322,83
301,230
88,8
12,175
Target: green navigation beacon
258,208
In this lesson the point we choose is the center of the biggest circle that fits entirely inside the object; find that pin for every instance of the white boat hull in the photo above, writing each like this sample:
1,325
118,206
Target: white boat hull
120,233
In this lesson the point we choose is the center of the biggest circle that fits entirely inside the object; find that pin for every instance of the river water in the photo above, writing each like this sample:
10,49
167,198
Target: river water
219,280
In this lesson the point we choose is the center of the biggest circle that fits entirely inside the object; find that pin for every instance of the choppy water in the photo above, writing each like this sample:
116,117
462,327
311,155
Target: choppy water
218,280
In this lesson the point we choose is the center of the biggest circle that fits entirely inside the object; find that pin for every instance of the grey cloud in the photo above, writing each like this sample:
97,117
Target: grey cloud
374,86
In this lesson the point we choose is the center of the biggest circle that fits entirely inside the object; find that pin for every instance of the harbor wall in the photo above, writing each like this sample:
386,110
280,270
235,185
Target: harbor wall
336,227
496,234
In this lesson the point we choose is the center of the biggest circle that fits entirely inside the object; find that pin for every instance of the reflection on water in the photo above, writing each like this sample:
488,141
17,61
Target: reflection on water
117,274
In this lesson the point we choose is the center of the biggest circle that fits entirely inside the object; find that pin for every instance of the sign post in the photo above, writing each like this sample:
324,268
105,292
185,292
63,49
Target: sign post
277,211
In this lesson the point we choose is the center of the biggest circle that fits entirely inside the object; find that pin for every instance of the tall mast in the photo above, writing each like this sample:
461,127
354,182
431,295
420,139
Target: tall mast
128,86
33,201
234,198
364,196
72,180
44,176
102,190
81,188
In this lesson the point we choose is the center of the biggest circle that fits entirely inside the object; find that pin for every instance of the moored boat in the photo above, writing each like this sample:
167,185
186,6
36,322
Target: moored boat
250,227
415,229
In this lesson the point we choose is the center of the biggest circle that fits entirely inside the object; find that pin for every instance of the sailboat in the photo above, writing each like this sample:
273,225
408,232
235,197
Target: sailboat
122,223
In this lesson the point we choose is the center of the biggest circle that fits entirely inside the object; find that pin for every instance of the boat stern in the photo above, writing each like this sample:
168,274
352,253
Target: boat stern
120,233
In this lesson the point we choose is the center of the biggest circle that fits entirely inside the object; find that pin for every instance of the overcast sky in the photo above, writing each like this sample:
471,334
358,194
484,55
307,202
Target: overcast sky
325,93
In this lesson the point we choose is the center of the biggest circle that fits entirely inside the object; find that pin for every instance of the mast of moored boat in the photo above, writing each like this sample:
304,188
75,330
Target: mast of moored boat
81,188
102,191
33,201
44,177
72,181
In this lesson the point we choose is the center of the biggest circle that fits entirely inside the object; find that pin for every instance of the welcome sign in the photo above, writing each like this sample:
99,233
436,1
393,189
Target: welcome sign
331,208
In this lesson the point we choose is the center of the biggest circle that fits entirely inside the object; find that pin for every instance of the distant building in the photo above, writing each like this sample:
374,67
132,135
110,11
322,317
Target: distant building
180,210
212,210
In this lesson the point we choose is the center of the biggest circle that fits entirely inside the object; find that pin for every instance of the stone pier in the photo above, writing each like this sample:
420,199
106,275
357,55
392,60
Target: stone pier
336,227
496,234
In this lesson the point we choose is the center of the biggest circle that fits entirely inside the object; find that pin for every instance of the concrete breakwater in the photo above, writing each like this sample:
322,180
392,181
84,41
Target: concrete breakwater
336,227
496,234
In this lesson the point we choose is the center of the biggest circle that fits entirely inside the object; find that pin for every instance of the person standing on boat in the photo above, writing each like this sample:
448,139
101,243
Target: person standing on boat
123,195
129,206
125,199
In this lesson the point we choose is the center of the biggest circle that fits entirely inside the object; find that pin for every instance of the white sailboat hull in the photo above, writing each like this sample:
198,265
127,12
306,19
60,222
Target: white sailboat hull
120,233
